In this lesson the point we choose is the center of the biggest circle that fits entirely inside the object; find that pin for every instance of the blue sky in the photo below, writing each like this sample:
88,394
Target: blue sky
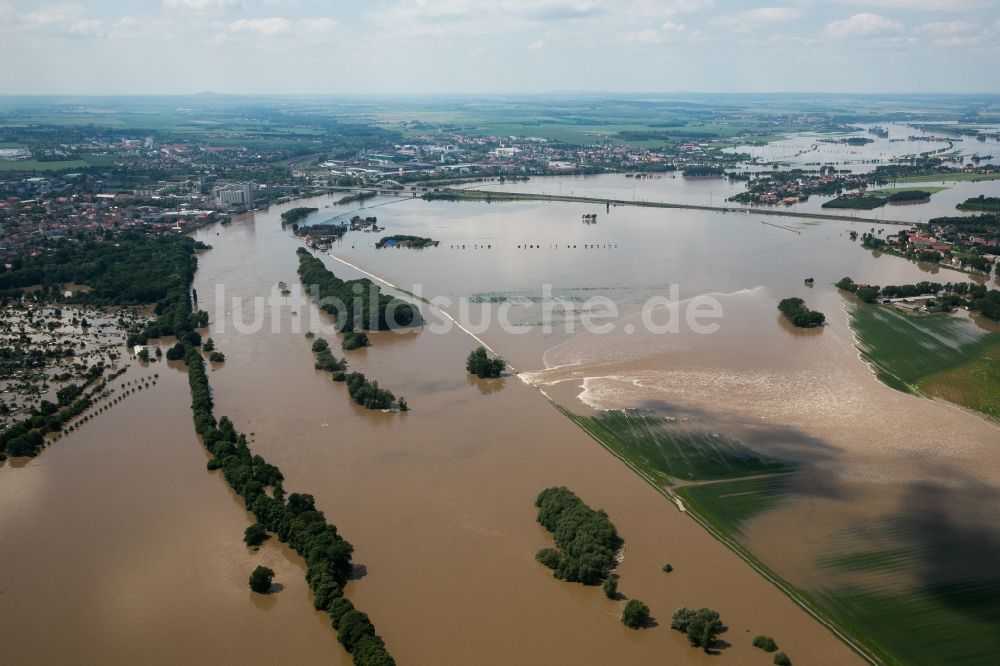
502,46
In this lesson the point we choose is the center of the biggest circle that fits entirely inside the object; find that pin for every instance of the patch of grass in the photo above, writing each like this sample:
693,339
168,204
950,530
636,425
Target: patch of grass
905,349
948,177
868,561
930,189
664,450
35,165
726,505
954,623
975,384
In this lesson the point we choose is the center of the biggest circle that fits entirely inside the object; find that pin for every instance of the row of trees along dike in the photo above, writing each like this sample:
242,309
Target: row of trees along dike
362,390
355,304
480,364
295,520
795,311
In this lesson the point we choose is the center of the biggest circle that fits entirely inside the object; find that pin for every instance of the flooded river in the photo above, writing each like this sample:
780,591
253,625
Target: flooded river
117,539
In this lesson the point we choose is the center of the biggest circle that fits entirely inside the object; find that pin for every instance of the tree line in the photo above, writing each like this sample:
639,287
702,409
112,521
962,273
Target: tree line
362,390
295,520
949,295
355,304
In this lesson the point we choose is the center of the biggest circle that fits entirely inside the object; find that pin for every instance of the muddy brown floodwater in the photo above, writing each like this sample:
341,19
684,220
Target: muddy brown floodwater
439,501
119,547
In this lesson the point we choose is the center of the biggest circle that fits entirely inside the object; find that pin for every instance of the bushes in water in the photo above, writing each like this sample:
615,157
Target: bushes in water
260,580
635,615
481,365
610,586
765,643
550,557
325,360
586,539
354,340
700,626
254,535
795,311
367,393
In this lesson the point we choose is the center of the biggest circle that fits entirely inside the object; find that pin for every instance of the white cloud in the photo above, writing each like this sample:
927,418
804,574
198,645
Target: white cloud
946,27
275,26
865,24
318,26
923,5
665,8
202,6
753,19
448,18
67,20
536,45
670,31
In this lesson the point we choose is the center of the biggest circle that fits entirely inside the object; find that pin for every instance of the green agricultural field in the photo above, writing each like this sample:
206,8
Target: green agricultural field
930,189
975,384
948,178
905,350
665,450
35,165
917,602
726,505
931,625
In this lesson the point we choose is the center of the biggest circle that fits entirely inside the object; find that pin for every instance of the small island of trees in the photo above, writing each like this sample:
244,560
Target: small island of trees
355,304
402,240
795,311
295,214
260,580
981,203
700,626
699,171
480,364
635,615
586,541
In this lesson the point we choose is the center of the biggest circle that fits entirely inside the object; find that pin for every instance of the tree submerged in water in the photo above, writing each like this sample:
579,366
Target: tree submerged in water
481,365
260,580
700,626
635,615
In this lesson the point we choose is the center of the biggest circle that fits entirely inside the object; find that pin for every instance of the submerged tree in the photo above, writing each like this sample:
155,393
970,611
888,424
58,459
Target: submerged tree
260,580
481,365
635,615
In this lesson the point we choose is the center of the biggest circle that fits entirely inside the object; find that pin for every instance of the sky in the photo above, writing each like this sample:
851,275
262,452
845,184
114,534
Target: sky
498,46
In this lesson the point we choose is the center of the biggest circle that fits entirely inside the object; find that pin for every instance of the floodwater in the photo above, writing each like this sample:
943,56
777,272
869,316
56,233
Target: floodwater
119,542
118,547
439,501
814,148
873,455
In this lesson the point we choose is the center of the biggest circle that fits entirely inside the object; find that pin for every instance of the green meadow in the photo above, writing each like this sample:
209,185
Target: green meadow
666,450
908,351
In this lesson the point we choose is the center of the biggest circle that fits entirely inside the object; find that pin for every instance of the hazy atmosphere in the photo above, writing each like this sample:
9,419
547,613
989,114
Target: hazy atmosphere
462,46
